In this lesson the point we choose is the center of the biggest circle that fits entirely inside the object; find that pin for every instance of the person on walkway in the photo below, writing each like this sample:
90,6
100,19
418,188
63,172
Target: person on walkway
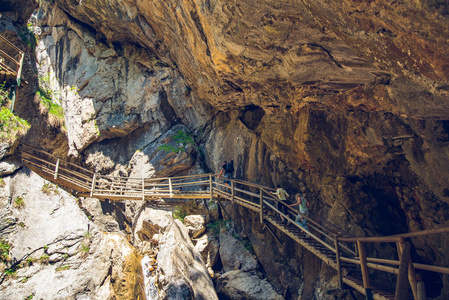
282,195
224,171
303,207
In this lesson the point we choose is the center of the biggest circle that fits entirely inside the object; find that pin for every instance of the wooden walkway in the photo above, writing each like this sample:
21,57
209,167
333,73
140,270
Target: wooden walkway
332,245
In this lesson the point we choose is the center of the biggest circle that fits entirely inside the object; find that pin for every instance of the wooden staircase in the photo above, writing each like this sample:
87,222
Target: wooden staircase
325,240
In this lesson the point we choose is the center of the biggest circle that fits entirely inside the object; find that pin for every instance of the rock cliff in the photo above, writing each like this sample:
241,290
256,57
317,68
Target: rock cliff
346,101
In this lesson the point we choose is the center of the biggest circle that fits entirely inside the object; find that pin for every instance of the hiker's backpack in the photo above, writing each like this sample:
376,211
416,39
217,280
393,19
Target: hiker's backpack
230,167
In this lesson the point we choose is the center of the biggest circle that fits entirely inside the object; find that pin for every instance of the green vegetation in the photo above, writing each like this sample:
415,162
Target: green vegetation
44,259
85,248
179,213
215,227
62,268
11,126
54,110
30,261
30,296
4,250
26,34
2,182
3,94
245,242
19,203
182,139
49,189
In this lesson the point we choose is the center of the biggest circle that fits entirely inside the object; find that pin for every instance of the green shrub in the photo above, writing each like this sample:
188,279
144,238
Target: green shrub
44,259
54,110
4,250
179,213
11,126
3,94
49,189
182,139
62,268
19,203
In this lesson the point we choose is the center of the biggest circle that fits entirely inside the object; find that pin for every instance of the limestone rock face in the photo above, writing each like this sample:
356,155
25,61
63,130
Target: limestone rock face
238,285
208,245
183,274
63,254
233,254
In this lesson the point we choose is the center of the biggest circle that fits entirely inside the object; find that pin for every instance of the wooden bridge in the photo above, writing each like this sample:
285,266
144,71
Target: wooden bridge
332,245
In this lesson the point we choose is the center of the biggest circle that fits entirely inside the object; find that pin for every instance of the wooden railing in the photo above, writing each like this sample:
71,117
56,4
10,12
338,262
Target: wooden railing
11,63
328,242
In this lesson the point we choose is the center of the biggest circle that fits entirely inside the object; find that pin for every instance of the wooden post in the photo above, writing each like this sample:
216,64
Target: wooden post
411,270
93,185
170,188
337,253
421,288
143,188
232,192
364,267
261,206
401,284
211,188
56,169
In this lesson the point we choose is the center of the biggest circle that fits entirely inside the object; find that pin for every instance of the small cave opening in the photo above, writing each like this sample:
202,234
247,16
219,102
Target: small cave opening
251,116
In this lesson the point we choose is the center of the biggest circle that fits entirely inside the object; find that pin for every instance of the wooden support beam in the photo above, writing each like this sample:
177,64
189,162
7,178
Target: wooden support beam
170,188
401,284
274,234
261,206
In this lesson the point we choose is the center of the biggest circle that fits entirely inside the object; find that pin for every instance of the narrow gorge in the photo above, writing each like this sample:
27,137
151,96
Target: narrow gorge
345,102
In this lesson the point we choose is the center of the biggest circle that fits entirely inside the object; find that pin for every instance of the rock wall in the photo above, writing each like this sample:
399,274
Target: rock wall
346,101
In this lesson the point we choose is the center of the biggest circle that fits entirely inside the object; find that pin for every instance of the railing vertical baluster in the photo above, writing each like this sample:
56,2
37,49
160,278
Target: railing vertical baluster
170,188
337,254
232,191
56,169
261,206
364,267
411,271
211,188
93,185
404,256
143,188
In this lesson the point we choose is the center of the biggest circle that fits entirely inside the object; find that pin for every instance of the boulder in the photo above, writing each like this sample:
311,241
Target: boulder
237,285
208,245
182,273
195,224
233,254
9,166
150,223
